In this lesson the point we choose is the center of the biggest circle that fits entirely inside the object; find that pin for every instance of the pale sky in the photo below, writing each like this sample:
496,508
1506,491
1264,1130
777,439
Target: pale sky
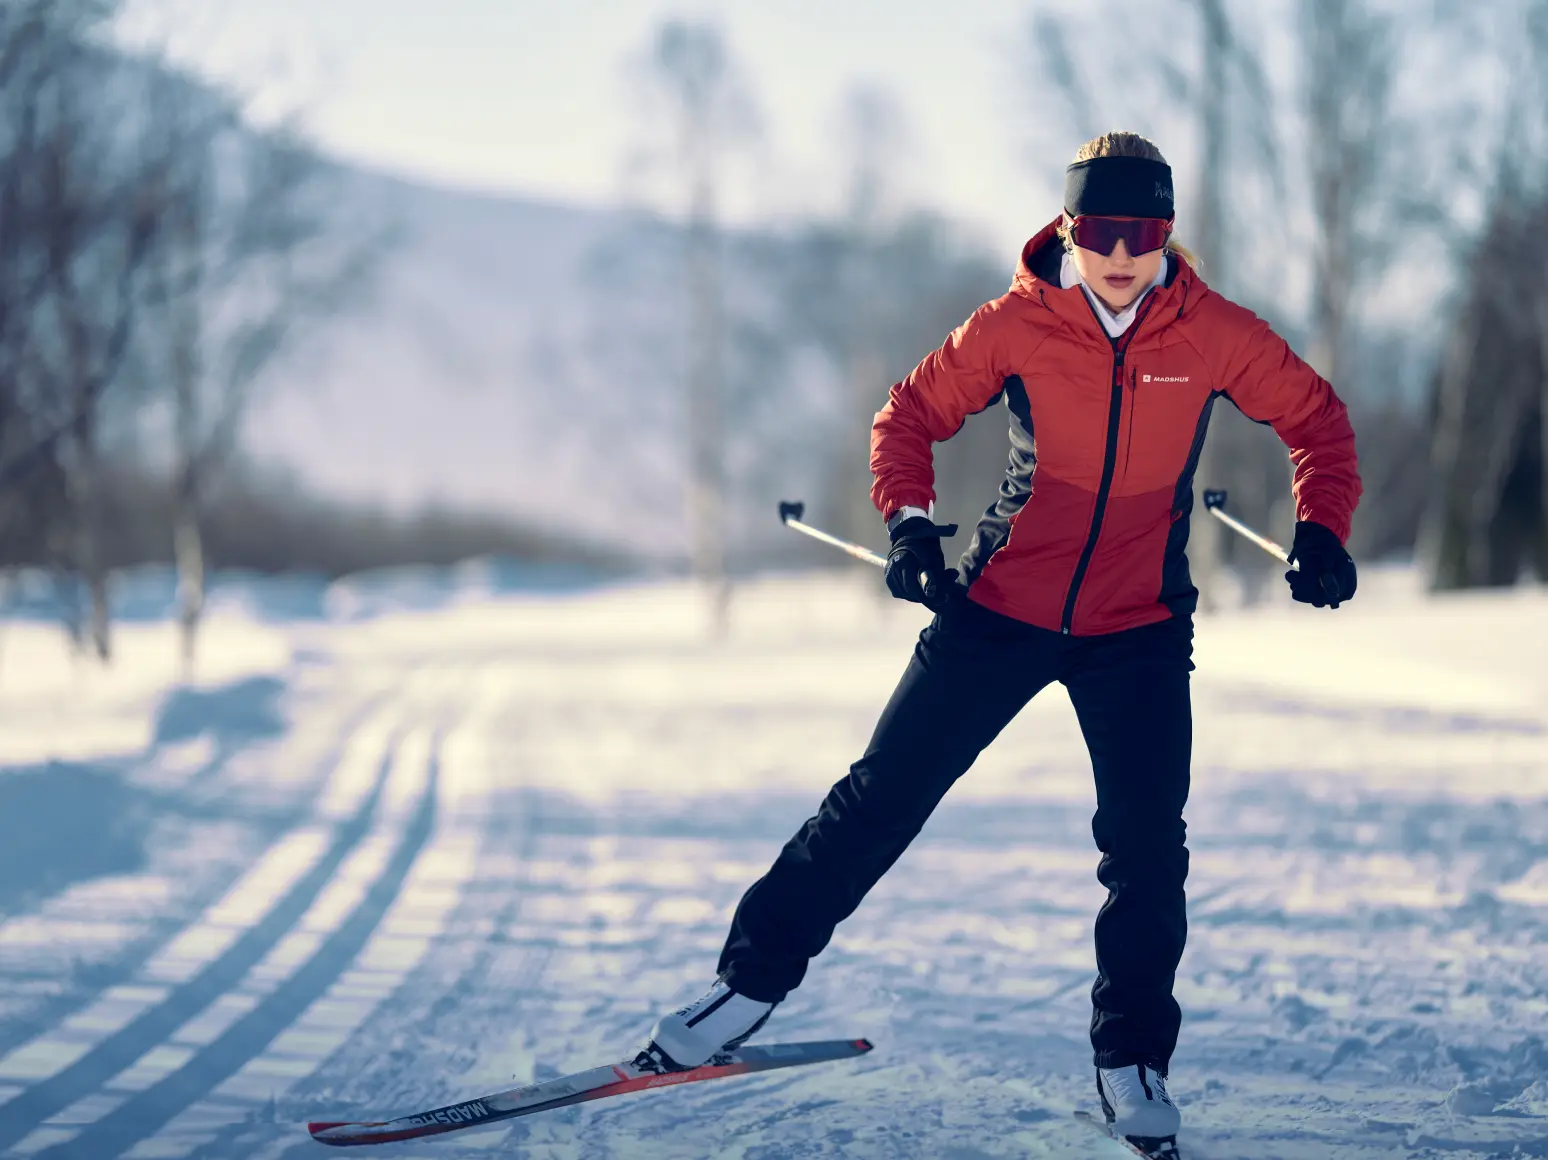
528,98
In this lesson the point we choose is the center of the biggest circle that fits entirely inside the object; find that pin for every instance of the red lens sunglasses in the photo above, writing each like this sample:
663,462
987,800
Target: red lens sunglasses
1140,235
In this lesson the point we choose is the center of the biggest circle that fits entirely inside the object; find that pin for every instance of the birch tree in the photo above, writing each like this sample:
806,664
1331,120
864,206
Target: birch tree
85,229
253,259
710,117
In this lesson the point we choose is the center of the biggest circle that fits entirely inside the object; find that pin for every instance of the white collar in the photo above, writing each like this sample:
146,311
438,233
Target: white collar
1114,324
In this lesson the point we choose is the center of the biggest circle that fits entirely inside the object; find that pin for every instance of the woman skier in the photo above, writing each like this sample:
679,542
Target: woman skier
1109,351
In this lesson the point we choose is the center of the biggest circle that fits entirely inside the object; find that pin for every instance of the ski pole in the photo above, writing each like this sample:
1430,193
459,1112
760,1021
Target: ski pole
790,513
1215,501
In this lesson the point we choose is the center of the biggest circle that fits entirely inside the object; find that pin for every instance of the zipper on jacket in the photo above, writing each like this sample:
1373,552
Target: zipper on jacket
1109,463
1128,447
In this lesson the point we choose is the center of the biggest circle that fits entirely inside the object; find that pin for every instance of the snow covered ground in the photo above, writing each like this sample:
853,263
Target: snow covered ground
411,850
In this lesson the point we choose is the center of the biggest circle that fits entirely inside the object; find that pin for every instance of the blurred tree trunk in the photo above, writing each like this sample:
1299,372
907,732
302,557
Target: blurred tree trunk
251,255
1339,73
1488,516
92,225
1369,199
86,556
709,116
85,384
1349,53
1206,237
188,552
181,142
187,538
706,421
873,140
1542,431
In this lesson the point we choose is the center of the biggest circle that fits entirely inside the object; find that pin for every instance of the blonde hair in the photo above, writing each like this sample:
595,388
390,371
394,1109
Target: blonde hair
1126,145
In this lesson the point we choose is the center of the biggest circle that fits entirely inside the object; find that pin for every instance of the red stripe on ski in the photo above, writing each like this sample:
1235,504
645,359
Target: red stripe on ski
487,1109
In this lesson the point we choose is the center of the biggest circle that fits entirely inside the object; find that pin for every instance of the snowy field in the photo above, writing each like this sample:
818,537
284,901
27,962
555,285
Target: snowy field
427,841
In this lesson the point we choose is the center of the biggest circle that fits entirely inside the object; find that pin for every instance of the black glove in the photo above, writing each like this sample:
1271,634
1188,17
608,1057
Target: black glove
916,566
1327,574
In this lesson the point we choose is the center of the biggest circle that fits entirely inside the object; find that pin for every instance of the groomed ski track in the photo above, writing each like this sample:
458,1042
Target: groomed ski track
490,841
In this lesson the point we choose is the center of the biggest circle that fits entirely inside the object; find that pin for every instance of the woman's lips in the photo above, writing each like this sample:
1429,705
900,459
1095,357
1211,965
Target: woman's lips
1119,280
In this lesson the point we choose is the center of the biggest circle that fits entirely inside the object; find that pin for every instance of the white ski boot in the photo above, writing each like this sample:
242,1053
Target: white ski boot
720,1021
1136,1103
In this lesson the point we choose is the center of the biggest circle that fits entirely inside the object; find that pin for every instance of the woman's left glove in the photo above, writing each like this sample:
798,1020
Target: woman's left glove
1326,574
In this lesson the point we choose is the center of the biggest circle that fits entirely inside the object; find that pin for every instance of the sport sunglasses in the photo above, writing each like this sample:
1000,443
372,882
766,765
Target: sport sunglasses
1140,235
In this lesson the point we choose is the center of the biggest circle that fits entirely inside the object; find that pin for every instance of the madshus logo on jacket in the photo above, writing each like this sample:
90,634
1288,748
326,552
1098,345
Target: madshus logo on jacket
467,1113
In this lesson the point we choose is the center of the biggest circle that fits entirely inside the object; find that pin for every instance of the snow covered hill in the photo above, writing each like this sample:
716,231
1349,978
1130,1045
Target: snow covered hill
516,357
432,389
397,854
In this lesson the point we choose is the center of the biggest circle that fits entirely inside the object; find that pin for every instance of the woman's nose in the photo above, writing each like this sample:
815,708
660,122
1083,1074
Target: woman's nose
1120,252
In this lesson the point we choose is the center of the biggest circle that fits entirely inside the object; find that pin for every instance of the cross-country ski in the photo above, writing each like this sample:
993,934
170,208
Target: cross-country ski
636,1075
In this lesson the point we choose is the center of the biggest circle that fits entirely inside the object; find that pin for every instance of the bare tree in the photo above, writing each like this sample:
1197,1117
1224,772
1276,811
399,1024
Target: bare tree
1349,54
153,246
89,226
1487,517
37,39
252,259
690,74
1385,171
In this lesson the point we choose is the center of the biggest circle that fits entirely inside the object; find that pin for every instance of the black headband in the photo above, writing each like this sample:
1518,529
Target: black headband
1119,187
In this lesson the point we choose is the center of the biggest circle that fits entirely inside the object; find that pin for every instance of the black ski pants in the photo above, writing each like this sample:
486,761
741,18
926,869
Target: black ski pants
972,671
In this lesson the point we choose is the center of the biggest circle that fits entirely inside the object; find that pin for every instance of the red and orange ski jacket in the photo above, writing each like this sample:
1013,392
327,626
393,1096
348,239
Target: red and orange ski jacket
1089,531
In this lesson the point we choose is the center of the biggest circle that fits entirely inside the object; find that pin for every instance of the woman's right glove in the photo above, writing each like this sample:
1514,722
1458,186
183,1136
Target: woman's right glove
1324,575
916,566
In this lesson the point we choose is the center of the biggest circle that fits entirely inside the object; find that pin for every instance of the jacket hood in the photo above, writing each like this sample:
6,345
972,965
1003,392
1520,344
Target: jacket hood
1039,263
